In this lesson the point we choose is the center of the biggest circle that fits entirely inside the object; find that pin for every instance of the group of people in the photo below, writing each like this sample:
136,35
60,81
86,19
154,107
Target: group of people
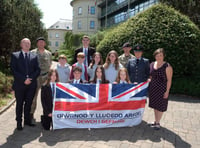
34,72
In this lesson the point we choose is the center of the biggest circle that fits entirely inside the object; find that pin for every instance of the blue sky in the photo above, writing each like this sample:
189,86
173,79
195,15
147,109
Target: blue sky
53,10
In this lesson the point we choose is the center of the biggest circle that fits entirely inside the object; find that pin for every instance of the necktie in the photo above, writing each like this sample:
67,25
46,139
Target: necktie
99,81
53,90
86,54
137,61
26,64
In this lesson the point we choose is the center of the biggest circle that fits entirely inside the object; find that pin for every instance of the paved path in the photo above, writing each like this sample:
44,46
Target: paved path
180,128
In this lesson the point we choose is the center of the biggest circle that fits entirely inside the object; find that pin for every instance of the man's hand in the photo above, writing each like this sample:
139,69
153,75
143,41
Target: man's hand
27,81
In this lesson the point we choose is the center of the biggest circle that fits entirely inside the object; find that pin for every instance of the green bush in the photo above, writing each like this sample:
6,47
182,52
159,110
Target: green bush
186,85
160,27
5,84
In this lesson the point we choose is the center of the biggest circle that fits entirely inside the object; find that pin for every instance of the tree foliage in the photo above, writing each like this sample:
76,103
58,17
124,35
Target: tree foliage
190,8
19,19
160,27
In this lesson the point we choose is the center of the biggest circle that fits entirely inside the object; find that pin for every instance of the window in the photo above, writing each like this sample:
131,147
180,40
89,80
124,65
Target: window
79,24
79,10
92,24
92,10
49,43
67,27
57,26
56,43
50,36
57,35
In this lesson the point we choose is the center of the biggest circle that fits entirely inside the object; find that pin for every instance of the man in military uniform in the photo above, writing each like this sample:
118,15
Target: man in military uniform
138,67
44,60
123,59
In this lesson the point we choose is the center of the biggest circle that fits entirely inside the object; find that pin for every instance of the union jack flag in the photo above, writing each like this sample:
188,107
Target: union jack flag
74,97
98,105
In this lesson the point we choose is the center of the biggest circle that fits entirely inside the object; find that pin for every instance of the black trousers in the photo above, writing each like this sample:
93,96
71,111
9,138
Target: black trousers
24,97
46,122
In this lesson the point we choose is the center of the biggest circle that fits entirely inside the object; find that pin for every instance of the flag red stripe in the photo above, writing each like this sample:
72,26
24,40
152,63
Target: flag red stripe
76,106
119,96
70,91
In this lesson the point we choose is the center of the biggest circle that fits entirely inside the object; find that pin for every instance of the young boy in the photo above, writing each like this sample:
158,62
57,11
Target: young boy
63,69
77,72
79,63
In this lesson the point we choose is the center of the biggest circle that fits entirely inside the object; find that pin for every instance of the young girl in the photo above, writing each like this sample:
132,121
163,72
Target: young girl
96,60
112,66
99,77
47,96
122,77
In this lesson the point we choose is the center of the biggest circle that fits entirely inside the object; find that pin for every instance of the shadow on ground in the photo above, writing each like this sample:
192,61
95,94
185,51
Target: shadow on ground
131,134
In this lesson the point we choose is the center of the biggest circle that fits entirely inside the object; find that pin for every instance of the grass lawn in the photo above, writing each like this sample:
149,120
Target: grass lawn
4,100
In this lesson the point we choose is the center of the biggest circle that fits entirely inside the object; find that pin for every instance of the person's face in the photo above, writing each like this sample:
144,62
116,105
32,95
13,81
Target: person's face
127,50
122,75
41,44
159,57
112,57
138,54
99,73
25,45
77,75
53,77
85,42
80,59
62,61
97,59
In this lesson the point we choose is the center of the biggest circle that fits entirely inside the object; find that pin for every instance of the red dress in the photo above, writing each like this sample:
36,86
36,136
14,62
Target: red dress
157,87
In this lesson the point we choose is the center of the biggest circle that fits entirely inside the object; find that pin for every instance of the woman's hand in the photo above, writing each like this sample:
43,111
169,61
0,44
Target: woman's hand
166,95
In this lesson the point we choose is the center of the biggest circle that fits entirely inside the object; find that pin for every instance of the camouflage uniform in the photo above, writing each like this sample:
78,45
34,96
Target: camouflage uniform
124,59
44,60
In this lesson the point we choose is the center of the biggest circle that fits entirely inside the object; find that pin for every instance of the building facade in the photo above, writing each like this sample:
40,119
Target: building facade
85,16
56,33
116,11
92,15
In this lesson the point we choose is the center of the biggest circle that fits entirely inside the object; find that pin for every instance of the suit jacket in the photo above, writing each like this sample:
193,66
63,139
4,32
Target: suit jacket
138,72
72,76
18,69
91,51
46,99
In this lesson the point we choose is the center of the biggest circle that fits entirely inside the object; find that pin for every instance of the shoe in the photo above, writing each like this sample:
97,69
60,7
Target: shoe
19,126
153,124
157,126
29,124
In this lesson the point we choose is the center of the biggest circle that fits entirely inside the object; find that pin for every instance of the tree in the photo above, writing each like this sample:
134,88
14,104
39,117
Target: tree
19,19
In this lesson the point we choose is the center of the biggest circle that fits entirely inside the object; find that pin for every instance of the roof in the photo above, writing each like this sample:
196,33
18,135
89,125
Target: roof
62,24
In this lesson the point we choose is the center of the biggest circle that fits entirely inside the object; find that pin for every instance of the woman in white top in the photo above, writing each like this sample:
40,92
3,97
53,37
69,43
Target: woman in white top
96,60
122,77
112,66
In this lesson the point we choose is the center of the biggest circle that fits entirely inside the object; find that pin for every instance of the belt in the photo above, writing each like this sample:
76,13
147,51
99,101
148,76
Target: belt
43,74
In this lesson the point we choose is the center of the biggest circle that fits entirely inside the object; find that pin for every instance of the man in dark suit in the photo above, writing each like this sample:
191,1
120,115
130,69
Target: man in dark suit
138,67
88,51
25,69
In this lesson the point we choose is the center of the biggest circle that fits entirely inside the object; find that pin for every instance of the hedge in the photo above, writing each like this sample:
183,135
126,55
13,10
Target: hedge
160,26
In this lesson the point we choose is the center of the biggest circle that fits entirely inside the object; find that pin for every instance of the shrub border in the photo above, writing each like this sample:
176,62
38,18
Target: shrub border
7,106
